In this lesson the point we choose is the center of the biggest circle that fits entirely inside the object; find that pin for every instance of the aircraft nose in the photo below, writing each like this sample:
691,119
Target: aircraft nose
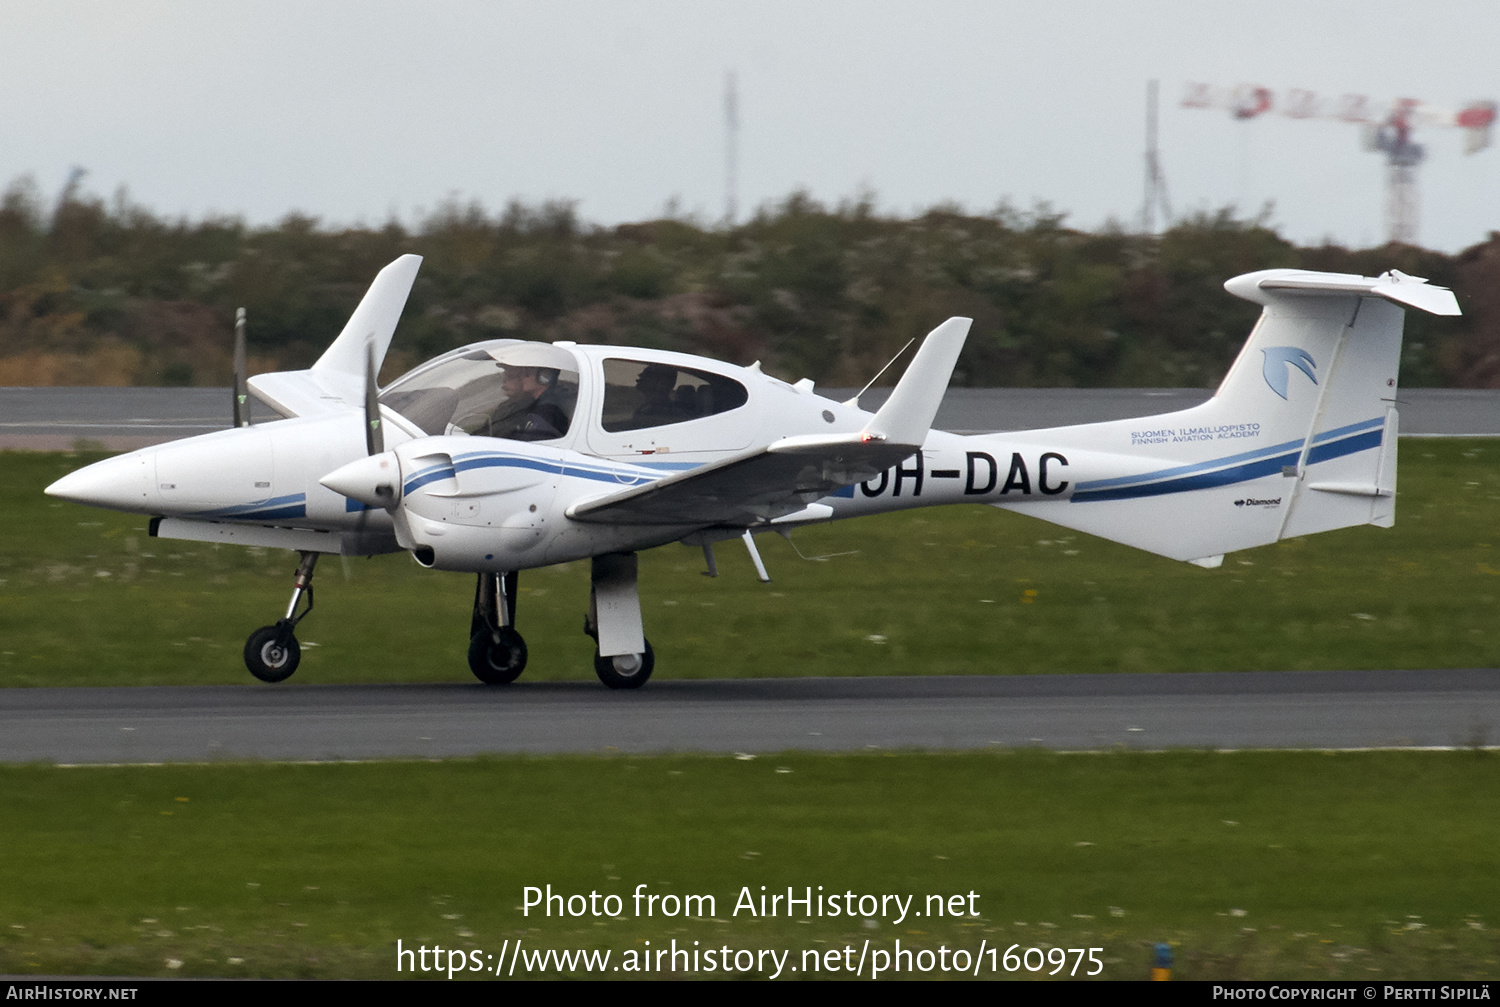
123,483
374,481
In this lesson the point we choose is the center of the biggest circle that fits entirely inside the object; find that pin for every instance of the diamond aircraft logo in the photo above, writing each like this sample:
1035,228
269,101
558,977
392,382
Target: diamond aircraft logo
1278,364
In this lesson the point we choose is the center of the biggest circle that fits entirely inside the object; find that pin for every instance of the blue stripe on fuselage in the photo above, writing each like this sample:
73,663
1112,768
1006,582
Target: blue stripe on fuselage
291,505
600,472
1199,481
1254,465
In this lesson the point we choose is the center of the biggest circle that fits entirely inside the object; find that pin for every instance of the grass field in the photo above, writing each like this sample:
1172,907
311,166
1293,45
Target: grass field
1269,865
87,598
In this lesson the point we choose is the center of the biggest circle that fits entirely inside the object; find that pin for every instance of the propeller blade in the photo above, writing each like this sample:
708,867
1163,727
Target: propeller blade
241,387
374,434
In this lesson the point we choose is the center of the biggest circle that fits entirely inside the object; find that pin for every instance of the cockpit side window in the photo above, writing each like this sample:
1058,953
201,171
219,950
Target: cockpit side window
640,394
524,392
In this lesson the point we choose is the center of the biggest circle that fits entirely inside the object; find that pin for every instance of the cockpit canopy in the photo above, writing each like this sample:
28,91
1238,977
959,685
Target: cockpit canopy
639,394
525,391
518,391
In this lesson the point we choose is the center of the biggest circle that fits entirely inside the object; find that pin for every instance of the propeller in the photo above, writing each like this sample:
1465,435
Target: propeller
241,387
374,480
374,435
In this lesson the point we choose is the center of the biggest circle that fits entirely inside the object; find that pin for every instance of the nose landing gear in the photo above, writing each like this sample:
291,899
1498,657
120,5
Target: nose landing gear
272,652
497,653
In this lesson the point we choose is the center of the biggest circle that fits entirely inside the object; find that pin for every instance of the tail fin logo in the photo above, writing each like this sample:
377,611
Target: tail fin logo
1279,360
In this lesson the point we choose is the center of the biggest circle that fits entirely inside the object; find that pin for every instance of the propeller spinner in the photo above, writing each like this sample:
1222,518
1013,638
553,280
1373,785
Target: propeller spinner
374,481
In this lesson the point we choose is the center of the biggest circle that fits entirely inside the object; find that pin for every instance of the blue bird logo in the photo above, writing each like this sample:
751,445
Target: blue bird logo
1278,361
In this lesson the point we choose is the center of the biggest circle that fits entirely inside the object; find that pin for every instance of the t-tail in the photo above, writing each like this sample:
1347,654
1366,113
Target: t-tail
1299,438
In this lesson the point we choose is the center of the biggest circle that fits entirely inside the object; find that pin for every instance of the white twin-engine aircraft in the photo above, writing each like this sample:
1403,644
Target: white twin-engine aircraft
509,455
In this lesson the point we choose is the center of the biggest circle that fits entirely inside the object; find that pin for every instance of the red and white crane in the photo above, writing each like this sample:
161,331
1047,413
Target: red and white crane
1388,128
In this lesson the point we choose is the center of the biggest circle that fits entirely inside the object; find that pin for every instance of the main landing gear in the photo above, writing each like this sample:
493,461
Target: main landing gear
497,653
272,652
623,658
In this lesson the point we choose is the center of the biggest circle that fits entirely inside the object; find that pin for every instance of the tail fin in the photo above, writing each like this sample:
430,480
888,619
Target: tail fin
1299,438
1346,462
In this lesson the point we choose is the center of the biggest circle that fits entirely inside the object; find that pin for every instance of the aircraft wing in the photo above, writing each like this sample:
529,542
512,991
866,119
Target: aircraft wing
337,380
307,393
750,488
785,476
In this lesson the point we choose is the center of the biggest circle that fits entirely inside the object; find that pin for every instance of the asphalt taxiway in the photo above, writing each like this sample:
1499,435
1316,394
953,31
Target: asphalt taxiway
1237,710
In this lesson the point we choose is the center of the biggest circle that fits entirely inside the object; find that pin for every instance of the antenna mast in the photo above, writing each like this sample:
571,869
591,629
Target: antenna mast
1156,181
731,149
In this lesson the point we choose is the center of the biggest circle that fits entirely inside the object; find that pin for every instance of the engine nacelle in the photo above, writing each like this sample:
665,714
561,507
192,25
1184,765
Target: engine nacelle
470,503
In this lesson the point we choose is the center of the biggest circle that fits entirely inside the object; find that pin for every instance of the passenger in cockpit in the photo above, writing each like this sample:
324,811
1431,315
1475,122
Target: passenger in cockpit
656,384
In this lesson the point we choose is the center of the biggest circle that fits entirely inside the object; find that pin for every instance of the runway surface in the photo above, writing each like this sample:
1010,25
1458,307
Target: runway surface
1334,710
122,419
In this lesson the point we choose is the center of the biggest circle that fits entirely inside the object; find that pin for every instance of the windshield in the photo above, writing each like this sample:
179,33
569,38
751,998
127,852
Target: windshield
520,391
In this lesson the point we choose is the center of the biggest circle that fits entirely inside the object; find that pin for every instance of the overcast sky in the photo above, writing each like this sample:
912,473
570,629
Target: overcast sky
355,111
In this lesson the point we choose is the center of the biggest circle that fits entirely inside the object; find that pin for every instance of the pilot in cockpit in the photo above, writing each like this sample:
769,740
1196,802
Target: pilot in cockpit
532,409
520,391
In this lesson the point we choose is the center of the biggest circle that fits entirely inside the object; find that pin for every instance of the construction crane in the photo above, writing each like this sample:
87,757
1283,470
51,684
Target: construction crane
1387,128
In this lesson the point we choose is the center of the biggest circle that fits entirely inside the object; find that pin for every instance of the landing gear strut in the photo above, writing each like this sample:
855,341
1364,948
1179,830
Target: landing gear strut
497,653
623,658
272,652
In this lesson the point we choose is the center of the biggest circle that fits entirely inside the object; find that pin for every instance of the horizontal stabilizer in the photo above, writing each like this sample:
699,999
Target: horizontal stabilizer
1394,285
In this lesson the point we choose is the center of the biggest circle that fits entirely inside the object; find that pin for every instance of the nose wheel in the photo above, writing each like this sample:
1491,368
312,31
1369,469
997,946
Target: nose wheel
497,653
497,657
272,653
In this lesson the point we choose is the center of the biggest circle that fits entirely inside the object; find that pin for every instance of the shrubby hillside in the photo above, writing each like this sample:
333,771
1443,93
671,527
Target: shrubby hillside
108,293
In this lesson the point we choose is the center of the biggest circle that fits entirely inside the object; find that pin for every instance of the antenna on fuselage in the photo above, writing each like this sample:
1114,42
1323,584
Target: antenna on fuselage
241,386
855,401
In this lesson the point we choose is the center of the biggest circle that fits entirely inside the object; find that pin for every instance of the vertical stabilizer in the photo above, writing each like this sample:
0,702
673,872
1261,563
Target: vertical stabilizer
1299,438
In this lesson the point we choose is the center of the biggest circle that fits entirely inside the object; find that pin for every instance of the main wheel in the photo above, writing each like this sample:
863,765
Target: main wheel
497,662
266,657
626,671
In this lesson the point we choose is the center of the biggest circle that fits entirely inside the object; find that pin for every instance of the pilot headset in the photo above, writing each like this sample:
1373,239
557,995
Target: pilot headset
545,376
